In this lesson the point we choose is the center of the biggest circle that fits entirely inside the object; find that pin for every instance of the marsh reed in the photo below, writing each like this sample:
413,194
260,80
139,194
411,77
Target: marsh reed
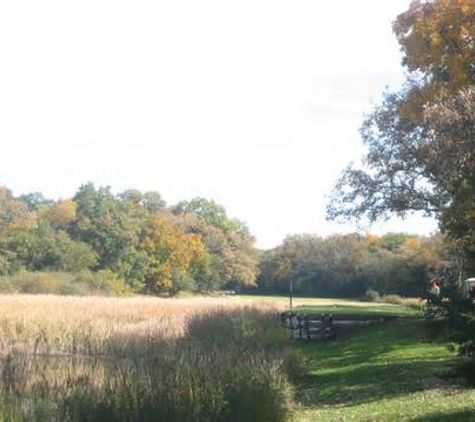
140,359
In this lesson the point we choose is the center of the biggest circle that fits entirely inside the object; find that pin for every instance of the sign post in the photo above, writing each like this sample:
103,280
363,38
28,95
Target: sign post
291,292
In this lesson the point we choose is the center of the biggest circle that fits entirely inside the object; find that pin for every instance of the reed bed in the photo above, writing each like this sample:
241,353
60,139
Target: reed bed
140,359
48,324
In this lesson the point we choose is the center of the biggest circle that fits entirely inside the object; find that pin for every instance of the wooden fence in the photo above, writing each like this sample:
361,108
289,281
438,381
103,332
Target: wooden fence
325,326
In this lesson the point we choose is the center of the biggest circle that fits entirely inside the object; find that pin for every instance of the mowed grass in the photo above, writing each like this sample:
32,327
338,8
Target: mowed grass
310,301
387,372
303,305
374,310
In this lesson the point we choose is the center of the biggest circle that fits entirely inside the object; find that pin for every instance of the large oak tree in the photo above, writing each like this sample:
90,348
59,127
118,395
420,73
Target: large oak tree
420,141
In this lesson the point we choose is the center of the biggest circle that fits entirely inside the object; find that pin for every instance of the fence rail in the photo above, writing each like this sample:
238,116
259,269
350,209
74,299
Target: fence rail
325,326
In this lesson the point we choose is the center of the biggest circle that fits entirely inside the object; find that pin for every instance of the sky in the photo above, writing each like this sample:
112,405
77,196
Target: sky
253,103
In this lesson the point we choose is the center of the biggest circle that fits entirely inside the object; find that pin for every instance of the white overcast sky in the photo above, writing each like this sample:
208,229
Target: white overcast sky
253,103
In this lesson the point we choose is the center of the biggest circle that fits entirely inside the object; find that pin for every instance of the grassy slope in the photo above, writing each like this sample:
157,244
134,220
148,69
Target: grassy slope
386,372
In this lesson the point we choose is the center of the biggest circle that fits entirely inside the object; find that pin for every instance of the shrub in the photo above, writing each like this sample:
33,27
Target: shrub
105,281
36,282
399,300
371,296
60,283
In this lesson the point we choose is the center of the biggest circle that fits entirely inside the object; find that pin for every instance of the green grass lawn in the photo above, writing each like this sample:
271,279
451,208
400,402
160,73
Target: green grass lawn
379,309
386,372
339,306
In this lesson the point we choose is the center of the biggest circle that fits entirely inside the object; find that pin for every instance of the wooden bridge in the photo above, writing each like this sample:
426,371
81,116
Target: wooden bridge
326,326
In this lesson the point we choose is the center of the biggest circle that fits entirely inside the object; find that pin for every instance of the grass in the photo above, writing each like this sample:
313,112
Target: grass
216,359
408,307
374,309
143,359
387,372
310,301
49,324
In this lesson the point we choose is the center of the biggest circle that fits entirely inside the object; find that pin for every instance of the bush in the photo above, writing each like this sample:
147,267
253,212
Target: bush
371,296
60,283
104,281
37,282
406,301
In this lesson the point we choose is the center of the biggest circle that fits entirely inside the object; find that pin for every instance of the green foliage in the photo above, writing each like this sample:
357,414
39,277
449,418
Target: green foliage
39,282
75,256
60,283
421,147
420,140
350,265
104,281
132,235
232,259
35,200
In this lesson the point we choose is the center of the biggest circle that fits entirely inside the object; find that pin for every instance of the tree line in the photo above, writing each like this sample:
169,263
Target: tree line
132,238
351,265
134,242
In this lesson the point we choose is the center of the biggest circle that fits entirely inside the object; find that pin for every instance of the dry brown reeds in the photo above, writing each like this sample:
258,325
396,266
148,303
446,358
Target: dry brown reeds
48,324
143,358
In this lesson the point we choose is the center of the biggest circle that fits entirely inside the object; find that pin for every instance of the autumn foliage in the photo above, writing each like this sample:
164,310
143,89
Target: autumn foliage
131,240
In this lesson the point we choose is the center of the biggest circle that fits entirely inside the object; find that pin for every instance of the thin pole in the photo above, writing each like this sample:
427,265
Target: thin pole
291,292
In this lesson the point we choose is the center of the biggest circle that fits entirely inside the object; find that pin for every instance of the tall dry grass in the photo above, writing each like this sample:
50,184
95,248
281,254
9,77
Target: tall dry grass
48,324
142,358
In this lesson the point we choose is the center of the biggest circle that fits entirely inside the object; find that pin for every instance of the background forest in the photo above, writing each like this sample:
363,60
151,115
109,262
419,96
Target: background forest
130,242
98,241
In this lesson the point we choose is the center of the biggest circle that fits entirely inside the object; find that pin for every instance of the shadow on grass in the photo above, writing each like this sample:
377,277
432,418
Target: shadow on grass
364,344
375,363
456,416
371,383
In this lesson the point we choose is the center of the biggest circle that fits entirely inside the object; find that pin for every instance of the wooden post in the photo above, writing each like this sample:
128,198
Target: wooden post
291,292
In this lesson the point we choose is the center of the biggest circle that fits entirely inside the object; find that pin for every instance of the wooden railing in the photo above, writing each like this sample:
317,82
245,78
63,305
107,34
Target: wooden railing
325,326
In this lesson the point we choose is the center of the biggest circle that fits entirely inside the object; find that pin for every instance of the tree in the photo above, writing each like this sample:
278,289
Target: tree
433,172
109,226
394,178
34,200
62,213
42,246
232,256
150,200
15,217
420,142
437,40
349,265
131,236
209,211
171,254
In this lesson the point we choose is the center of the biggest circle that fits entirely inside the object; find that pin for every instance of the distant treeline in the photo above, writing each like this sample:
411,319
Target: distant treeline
351,265
134,242
130,241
